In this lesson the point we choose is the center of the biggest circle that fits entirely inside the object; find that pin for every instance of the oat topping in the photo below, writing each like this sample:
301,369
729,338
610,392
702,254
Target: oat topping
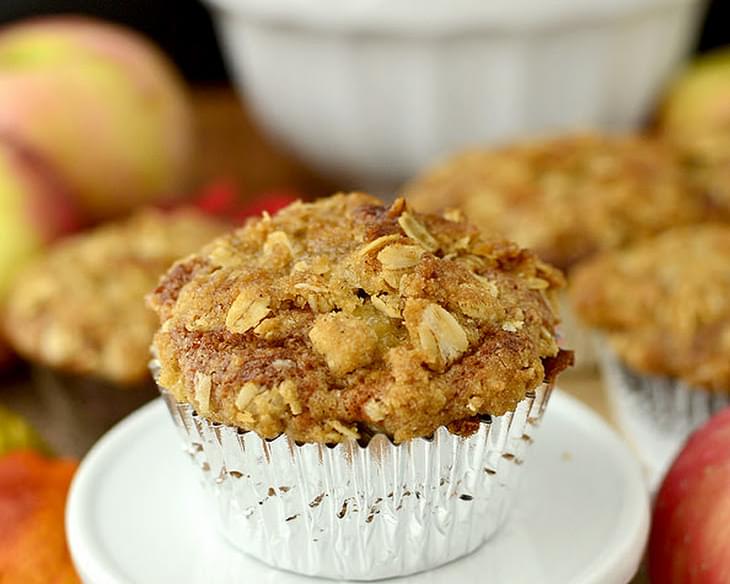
249,308
440,336
705,158
664,304
342,318
566,197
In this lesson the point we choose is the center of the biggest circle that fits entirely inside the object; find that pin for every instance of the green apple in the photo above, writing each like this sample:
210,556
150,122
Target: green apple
17,434
101,106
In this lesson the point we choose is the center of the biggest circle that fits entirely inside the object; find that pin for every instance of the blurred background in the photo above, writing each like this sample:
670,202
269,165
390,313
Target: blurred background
104,130
186,33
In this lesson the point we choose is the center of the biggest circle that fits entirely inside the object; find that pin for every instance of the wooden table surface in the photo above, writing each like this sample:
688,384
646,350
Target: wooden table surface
231,147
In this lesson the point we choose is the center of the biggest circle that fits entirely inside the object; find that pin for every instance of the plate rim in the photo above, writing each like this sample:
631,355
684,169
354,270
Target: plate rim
618,563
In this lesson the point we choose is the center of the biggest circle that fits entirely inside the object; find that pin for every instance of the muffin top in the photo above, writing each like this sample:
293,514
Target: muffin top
565,197
664,304
81,307
343,318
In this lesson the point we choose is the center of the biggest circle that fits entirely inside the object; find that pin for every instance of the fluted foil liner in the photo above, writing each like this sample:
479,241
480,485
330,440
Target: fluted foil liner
360,512
657,414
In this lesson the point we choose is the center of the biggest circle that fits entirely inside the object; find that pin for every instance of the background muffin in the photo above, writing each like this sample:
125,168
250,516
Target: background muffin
566,197
367,328
80,313
663,307
81,308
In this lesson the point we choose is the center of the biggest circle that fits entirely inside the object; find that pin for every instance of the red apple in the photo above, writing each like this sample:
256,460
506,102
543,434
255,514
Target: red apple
221,198
690,534
34,209
101,106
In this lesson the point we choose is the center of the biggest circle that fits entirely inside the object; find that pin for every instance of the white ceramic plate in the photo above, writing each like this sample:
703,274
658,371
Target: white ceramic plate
135,513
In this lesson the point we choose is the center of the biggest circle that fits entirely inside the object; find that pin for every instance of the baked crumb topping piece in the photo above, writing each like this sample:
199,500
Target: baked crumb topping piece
567,197
664,304
706,160
81,307
342,318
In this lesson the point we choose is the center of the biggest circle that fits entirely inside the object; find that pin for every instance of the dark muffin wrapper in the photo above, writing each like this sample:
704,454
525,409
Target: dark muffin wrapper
73,412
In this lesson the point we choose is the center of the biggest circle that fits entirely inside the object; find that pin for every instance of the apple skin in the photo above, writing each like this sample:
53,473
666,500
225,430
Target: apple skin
690,535
33,491
34,209
698,102
101,105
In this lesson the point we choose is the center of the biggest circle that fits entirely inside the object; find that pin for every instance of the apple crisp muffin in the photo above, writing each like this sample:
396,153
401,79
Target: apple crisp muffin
81,307
664,304
565,197
343,318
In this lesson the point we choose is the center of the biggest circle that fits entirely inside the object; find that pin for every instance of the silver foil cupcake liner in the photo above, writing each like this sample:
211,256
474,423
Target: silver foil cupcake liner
657,414
358,512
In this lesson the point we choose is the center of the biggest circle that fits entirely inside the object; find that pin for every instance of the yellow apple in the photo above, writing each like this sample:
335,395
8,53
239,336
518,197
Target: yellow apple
698,102
695,118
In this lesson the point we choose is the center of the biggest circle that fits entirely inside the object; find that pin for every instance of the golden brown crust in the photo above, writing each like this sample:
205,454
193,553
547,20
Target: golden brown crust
566,197
81,307
343,317
706,161
664,304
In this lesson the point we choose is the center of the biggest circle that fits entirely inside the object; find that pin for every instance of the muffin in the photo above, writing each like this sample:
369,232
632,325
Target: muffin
566,198
345,373
79,312
662,308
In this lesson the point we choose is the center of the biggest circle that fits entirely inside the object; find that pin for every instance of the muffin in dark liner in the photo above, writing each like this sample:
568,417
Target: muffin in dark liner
77,410
78,314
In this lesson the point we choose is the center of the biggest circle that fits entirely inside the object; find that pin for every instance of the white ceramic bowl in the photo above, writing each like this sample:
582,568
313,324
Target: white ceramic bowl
373,90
